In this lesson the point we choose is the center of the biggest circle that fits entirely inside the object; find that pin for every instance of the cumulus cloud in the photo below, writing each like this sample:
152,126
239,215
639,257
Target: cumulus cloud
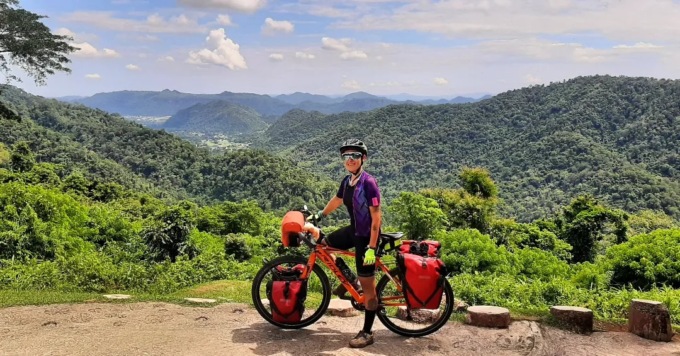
224,20
303,55
220,51
166,59
335,44
132,67
441,81
248,6
85,49
351,85
63,31
272,27
153,23
354,55
276,57
94,76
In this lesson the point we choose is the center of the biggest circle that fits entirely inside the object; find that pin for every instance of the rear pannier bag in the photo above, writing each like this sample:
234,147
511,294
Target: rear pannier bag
422,280
422,248
287,294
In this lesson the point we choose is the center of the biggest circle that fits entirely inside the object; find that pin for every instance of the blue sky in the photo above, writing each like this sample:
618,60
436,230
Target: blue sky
333,47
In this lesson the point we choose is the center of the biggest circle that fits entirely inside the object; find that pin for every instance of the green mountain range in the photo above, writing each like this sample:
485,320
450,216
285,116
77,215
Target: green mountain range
112,149
614,137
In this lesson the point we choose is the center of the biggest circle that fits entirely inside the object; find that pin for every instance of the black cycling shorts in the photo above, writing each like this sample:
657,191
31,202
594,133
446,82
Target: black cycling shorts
345,239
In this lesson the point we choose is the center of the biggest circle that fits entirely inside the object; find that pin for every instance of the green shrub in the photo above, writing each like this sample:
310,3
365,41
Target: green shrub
647,260
468,251
535,263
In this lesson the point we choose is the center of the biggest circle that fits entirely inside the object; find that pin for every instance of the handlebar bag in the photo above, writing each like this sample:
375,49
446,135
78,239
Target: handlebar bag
422,280
291,226
428,248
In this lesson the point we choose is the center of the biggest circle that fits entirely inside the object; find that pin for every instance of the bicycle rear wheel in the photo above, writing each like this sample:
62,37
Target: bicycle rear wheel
318,292
416,322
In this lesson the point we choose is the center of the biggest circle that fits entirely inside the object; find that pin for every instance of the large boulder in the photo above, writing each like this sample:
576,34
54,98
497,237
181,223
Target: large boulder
488,316
575,319
650,319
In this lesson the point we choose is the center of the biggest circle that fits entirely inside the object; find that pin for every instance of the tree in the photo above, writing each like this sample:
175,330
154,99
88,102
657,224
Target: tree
419,217
168,235
22,159
27,43
584,222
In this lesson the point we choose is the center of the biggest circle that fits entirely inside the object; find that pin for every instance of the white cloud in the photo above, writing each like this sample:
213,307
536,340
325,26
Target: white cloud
248,6
303,55
94,76
63,31
639,45
354,55
629,20
153,23
532,79
335,44
87,50
276,57
224,20
351,85
132,67
272,27
220,51
166,59
441,81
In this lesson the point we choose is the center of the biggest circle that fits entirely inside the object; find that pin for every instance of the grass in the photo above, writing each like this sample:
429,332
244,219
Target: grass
222,291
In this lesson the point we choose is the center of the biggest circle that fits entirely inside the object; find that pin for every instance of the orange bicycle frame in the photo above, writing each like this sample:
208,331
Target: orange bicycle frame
324,253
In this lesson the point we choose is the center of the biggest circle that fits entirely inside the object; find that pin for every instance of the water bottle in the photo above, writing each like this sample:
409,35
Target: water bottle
346,271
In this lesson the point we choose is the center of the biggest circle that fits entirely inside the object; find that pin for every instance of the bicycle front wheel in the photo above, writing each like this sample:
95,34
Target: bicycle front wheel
414,322
318,292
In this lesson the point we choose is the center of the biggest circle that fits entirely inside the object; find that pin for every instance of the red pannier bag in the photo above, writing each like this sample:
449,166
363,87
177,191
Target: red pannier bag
422,280
422,248
287,294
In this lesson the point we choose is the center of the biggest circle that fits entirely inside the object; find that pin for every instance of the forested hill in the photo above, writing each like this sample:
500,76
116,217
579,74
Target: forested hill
112,149
615,137
217,116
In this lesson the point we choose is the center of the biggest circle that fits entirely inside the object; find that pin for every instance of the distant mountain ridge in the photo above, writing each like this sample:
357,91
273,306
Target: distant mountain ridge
169,102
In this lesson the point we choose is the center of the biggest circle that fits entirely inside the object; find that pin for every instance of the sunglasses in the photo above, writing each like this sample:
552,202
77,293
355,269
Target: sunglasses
353,156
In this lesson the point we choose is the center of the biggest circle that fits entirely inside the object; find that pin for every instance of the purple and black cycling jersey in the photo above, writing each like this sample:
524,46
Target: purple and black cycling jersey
364,195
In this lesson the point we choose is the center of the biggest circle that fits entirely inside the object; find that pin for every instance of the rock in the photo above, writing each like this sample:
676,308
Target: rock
460,305
200,300
488,316
576,319
341,308
117,296
650,320
419,315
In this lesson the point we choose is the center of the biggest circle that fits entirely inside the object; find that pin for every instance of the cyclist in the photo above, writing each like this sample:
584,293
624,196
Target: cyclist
359,192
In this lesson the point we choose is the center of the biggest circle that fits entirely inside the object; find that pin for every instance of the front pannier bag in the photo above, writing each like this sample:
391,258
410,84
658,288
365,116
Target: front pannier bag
287,294
422,280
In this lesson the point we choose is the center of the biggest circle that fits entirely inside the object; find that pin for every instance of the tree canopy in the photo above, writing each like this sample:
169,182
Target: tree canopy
25,42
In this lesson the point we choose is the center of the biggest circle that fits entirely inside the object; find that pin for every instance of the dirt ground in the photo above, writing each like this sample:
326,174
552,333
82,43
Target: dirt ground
233,329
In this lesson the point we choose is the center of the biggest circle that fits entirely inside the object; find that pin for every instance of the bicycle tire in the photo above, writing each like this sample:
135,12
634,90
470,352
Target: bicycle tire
429,329
290,260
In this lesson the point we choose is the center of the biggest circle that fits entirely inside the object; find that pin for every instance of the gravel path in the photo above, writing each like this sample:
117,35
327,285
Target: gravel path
234,329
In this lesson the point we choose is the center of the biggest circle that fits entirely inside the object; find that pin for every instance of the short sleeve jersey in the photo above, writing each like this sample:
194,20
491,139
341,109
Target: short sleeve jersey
358,199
